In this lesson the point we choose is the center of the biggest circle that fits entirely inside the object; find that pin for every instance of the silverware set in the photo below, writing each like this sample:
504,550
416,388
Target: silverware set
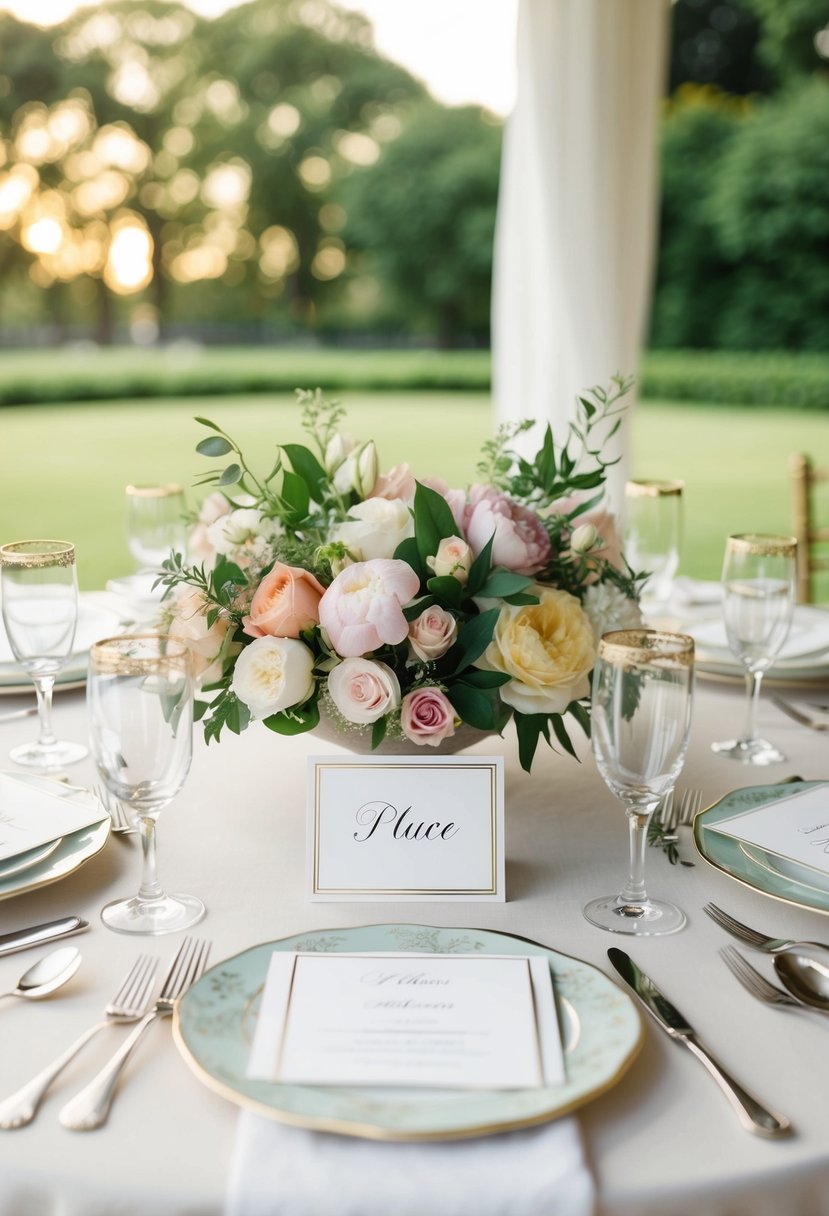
130,1004
677,811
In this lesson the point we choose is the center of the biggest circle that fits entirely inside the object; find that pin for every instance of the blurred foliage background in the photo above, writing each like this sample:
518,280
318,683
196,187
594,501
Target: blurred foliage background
269,176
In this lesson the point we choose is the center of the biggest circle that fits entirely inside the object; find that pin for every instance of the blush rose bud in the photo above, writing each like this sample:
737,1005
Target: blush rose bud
583,538
454,557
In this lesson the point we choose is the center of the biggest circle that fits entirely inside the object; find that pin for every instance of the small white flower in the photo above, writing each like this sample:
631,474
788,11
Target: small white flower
583,538
273,674
608,608
375,528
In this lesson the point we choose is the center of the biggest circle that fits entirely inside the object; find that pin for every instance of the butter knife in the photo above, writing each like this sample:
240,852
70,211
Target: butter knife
22,939
752,1114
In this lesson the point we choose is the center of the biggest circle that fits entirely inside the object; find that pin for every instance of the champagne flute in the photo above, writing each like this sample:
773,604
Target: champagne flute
140,701
40,613
758,581
641,710
653,533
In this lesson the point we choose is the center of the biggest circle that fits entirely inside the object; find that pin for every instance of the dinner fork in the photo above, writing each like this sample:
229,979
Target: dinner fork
121,824
752,937
89,1108
689,806
755,983
128,1005
798,715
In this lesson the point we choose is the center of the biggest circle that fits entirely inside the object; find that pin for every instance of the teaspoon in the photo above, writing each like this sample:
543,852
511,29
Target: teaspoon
47,974
805,973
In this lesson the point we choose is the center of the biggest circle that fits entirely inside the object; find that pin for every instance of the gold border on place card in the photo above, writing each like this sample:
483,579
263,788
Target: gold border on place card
369,1131
436,891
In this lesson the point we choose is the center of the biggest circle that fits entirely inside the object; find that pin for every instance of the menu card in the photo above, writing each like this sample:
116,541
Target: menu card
444,1021
31,816
795,827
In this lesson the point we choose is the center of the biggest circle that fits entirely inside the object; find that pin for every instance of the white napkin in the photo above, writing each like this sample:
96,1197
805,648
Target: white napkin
690,592
278,1170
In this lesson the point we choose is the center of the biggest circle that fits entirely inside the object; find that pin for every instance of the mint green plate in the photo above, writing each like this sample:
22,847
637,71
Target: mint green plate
213,1028
775,876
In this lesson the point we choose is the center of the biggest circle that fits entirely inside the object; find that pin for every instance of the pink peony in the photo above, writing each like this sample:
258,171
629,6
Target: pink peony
427,716
399,482
285,602
521,542
363,608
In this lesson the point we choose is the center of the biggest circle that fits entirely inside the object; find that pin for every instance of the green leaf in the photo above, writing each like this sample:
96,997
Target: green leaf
561,734
433,521
294,721
231,475
502,583
479,571
200,708
214,445
485,679
582,715
446,588
238,716
518,600
546,461
530,728
414,610
296,494
408,551
473,706
305,464
207,422
473,638
378,732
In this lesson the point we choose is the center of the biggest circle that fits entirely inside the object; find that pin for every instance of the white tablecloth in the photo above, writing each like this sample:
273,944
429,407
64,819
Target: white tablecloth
662,1143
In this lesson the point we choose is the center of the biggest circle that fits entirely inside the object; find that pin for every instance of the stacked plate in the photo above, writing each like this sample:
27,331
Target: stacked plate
804,658
96,620
47,830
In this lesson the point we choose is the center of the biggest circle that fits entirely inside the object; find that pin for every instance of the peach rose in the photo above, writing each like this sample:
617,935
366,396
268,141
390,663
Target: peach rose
432,633
285,602
427,716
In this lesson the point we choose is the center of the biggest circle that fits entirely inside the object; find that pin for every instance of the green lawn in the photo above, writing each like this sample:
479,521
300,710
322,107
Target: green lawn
64,467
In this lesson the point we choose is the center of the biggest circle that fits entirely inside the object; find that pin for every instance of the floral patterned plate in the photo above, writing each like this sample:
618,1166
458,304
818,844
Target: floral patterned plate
214,1021
775,876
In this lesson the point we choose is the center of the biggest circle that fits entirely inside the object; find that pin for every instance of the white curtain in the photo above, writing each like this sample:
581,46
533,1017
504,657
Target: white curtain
578,206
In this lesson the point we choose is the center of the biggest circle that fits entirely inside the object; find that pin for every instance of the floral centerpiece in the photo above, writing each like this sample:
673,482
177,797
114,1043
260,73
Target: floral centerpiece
402,607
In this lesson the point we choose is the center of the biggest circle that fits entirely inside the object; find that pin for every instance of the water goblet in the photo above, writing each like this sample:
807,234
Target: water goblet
40,613
758,585
653,534
140,702
641,710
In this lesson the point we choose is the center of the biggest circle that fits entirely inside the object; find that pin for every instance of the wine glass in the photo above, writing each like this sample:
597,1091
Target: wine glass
40,613
758,583
140,702
642,698
653,533
155,524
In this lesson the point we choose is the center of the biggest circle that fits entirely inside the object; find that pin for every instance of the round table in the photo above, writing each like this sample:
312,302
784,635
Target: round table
663,1142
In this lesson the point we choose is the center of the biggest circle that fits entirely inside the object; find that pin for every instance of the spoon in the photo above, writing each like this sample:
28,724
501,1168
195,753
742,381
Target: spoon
47,974
805,973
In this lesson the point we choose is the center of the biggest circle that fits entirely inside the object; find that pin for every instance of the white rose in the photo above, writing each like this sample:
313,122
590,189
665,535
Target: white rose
272,674
358,471
363,690
235,530
583,538
454,556
375,528
607,607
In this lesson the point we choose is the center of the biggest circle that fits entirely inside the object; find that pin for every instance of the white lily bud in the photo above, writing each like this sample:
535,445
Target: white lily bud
337,449
583,538
358,471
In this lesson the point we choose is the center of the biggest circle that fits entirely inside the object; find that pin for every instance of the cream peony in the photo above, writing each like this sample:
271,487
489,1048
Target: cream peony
548,650
273,674
375,528
363,690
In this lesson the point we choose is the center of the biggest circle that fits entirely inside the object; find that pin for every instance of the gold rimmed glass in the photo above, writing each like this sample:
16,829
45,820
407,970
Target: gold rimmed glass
40,614
140,702
155,524
653,533
759,591
641,712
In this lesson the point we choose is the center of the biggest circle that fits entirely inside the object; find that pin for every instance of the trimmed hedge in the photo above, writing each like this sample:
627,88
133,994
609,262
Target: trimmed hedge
798,381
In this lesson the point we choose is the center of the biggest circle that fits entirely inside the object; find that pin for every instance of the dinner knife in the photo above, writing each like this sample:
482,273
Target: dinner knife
752,1114
22,939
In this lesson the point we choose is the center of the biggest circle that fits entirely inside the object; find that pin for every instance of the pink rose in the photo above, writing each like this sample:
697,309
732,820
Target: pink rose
399,482
363,608
285,602
521,542
431,635
427,716
454,557
213,507
363,690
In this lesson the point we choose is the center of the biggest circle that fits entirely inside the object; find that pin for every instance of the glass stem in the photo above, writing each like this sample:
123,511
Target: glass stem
150,888
634,892
753,681
44,687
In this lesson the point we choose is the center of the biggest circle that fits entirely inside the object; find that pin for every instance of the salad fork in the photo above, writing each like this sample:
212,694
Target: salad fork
752,937
128,1005
755,983
89,1108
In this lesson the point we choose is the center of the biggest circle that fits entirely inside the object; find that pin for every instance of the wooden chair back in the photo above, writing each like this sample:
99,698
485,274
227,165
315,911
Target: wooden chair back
812,541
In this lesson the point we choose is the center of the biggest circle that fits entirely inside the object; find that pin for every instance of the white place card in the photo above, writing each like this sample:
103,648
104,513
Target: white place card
406,828
796,827
31,816
425,1020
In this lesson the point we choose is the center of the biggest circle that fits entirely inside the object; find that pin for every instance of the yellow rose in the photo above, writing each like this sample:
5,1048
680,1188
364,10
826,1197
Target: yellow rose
547,649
